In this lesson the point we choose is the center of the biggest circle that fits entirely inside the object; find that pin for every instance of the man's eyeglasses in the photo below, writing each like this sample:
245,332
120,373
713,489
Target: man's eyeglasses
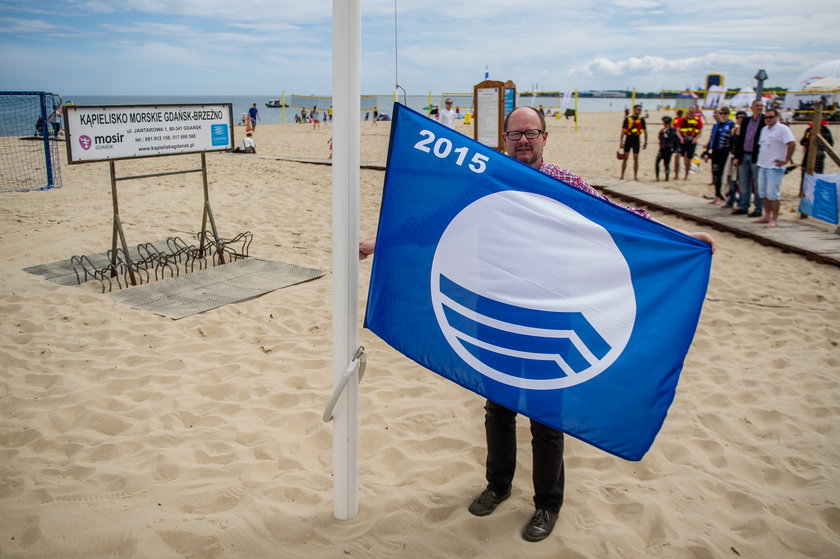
531,134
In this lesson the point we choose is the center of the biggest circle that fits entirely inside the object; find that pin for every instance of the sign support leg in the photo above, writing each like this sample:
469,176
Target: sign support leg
208,213
118,230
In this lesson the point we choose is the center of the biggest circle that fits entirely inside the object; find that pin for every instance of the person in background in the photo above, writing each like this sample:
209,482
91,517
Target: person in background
679,119
732,171
253,116
745,152
720,144
447,115
777,145
55,119
689,132
669,143
819,161
632,128
248,145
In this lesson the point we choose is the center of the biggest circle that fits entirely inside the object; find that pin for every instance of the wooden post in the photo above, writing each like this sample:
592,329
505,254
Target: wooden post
816,141
117,231
811,155
816,125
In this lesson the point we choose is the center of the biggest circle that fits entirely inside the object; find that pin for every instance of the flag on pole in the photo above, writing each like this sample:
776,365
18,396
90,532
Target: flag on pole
530,292
486,71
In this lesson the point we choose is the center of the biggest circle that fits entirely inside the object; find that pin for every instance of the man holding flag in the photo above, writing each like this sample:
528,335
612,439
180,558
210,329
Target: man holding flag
525,139
510,344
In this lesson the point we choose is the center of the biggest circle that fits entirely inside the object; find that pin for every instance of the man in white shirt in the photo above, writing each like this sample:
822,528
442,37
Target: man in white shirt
447,116
776,146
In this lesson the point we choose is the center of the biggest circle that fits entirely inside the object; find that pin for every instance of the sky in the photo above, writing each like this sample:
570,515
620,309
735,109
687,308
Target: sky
265,47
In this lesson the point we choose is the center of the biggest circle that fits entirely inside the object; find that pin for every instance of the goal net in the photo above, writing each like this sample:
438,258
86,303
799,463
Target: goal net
31,138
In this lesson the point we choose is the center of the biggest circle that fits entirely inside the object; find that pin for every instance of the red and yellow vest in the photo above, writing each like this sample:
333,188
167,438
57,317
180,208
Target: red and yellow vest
690,126
633,126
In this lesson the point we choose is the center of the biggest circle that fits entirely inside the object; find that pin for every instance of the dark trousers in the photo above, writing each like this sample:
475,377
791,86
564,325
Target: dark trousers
719,158
547,448
664,156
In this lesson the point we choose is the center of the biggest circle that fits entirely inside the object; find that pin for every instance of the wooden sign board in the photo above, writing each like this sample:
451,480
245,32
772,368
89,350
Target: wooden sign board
492,100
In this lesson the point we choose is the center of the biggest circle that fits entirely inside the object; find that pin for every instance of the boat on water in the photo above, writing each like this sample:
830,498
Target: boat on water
276,104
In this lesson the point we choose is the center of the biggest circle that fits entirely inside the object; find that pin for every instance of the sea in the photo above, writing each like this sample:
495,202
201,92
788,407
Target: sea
267,115
18,116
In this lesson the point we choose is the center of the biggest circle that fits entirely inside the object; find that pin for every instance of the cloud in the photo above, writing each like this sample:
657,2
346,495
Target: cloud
442,45
220,11
637,4
635,66
24,25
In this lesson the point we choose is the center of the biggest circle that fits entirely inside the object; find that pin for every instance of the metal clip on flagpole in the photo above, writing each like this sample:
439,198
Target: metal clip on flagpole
358,362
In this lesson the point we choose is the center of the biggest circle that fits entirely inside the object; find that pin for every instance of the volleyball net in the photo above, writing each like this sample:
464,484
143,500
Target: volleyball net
462,102
321,103
30,141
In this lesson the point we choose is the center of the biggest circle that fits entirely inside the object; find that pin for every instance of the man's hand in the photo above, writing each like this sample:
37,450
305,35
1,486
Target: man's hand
366,248
706,238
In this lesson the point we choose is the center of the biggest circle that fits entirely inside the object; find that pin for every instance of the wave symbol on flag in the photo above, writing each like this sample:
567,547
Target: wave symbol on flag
526,343
530,293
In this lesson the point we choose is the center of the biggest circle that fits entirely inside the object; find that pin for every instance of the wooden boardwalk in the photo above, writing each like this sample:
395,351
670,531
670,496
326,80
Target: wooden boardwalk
792,236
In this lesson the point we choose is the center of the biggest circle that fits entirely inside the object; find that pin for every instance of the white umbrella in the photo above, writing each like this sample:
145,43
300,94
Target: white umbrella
828,83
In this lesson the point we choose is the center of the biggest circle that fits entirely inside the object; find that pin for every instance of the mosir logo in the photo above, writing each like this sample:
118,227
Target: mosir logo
530,293
85,142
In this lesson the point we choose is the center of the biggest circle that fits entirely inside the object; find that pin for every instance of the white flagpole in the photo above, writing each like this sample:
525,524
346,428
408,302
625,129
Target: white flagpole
346,52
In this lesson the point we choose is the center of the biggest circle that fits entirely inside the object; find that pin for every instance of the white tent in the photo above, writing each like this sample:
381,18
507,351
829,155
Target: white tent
794,101
741,100
829,83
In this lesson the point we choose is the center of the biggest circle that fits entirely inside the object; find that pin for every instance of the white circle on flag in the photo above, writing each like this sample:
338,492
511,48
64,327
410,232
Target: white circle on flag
516,254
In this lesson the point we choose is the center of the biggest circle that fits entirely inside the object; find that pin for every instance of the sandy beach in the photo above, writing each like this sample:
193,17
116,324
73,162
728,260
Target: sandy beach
127,434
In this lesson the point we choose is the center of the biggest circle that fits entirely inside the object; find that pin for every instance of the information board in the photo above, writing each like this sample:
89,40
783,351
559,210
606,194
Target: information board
99,133
820,195
492,100
510,99
487,127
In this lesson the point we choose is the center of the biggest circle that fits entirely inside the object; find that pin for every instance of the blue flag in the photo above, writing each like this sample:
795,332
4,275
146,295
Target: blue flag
530,292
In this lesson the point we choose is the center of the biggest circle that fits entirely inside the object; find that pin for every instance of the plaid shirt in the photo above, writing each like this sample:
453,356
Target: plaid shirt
576,181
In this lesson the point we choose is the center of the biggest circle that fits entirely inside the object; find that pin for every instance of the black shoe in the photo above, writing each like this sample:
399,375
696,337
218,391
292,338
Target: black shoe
487,502
739,211
756,213
540,526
